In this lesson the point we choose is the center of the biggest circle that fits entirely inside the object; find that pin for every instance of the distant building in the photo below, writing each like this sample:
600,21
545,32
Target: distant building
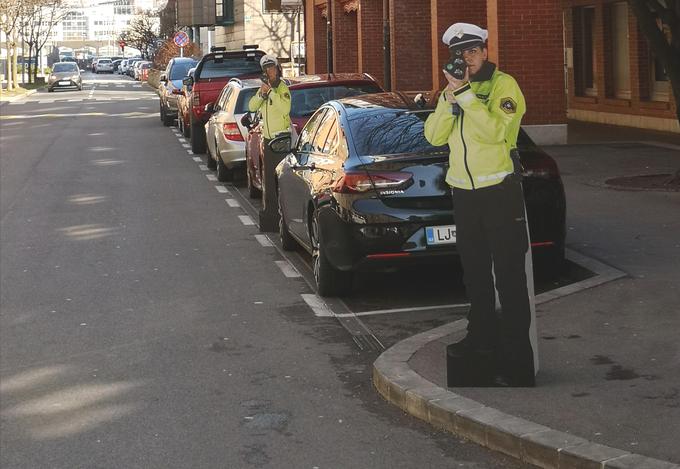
235,23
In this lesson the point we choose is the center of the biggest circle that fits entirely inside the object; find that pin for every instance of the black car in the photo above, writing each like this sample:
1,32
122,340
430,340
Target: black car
363,189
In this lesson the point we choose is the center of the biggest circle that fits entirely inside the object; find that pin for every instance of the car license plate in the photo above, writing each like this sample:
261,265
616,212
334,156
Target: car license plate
441,234
64,82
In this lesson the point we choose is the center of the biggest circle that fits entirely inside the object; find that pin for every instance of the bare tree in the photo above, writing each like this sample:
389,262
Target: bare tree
10,16
659,21
142,33
40,17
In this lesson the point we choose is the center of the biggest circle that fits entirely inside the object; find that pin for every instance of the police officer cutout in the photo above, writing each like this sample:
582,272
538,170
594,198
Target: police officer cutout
478,114
273,102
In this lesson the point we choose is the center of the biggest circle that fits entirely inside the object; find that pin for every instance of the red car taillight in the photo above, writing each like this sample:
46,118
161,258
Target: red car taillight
232,132
195,98
356,182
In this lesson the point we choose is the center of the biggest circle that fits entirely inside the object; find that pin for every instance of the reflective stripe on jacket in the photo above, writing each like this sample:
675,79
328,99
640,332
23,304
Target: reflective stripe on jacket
481,137
275,110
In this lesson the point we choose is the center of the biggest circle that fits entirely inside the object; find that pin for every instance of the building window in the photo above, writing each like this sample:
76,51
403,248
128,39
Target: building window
584,51
224,12
618,50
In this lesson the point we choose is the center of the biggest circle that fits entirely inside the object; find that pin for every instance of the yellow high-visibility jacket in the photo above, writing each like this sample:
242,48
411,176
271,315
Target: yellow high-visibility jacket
482,136
275,110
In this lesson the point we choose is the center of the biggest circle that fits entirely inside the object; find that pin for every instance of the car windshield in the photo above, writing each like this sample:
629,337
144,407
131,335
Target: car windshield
179,69
104,61
392,132
242,101
305,101
230,67
69,67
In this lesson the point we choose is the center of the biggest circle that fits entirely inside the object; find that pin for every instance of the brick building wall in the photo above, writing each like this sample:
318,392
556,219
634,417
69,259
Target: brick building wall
410,31
345,49
530,47
369,39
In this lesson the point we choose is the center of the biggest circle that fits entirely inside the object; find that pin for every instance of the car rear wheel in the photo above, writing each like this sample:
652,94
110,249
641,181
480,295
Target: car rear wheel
210,160
183,126
224,174
167,120
198,140
329,280
288,243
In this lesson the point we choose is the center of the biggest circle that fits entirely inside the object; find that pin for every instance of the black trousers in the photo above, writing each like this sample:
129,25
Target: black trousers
492,241
269,215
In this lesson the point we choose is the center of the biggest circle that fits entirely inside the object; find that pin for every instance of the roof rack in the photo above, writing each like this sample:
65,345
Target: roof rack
218,49
251,46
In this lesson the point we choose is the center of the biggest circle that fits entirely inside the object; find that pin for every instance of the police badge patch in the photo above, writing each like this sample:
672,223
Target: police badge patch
508,105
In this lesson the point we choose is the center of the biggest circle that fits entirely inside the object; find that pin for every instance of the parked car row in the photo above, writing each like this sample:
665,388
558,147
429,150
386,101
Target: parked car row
361,188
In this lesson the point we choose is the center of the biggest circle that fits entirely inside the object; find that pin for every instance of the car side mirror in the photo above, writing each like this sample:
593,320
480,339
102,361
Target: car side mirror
280,144
163,78
210,107
188,81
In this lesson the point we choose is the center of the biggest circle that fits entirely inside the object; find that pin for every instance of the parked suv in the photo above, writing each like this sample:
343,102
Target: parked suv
307,94
171,87
213,72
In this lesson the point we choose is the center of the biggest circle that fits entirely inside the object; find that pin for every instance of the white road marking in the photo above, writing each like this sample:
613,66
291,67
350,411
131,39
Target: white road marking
288,269
264,241
318,306
232,203
203,167
182,139
246,220
220,189
197,159
186,145
190,152
211,177
404,310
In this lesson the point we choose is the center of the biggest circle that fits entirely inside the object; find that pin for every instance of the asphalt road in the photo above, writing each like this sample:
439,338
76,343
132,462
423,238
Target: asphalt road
144,326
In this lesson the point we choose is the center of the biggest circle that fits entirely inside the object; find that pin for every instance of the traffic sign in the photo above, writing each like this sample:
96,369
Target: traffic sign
181,39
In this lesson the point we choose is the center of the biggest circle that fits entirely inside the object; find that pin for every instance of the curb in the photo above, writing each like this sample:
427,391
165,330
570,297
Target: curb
529,442
16,98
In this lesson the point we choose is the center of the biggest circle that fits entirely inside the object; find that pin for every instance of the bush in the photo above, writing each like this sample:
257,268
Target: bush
169,50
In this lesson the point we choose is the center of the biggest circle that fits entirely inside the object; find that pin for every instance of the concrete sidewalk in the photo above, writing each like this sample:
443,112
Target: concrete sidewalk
609,387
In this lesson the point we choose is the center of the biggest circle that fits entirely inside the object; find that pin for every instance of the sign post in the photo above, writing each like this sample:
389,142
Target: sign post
181,39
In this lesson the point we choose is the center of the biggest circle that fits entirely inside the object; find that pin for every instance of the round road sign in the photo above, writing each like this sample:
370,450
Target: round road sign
181,39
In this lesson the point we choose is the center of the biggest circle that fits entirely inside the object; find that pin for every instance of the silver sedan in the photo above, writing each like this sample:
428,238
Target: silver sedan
64,75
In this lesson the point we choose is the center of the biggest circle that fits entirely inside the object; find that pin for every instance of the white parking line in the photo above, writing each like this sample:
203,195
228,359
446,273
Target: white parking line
264,241
203,167
220,189
190,152
212,177
186,145
197,159
318,306
232,203
181,139
246,220
287,269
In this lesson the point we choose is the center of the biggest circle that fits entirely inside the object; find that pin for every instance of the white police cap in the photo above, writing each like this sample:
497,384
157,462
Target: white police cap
268,60
465,35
